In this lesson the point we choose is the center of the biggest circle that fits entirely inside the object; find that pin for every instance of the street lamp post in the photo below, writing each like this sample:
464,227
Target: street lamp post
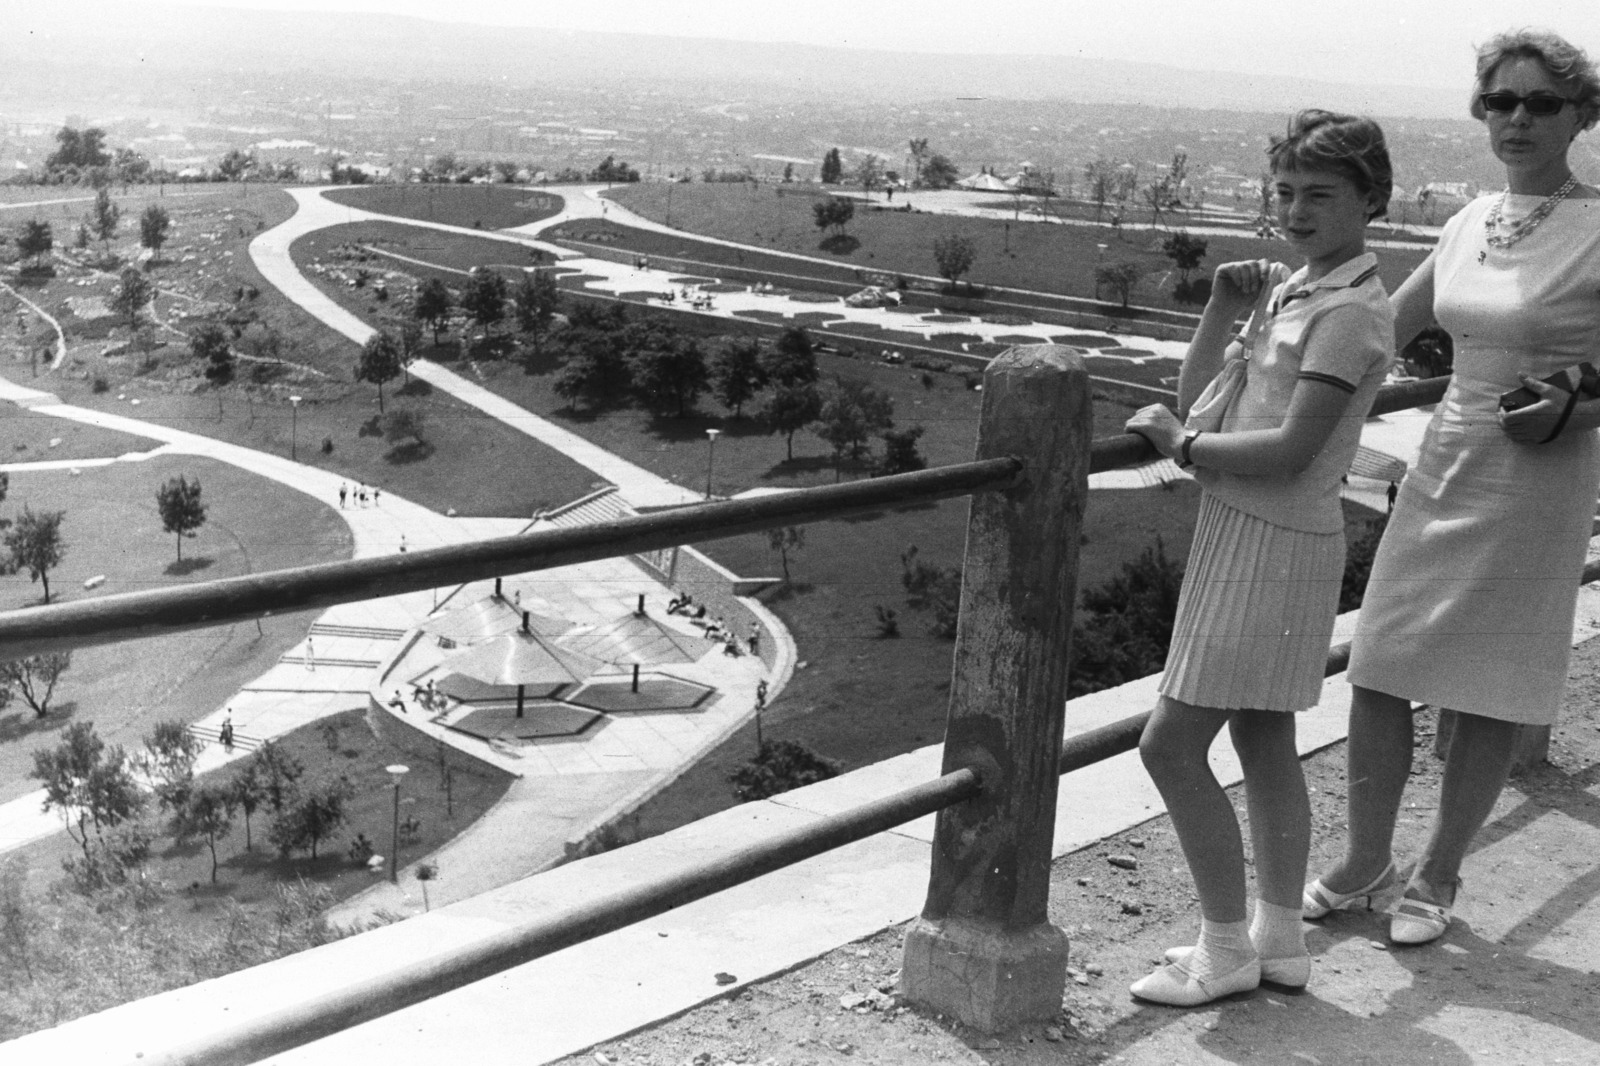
711,455
294,425
397,771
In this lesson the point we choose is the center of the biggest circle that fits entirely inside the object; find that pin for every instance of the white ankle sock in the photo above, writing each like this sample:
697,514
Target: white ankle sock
1277,932
1223,947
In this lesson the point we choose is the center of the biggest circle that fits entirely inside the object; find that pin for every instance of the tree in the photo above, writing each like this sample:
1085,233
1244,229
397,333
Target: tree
410,340
379,362
1127,624
852,413
249,792
432,305
954,254
832,169
485,297
35,240
313,817
869,173
90,784
779,766
236,165
671,374
737,374
106,216
1186,251
34,678
785,540
153,227
792,360
205,812
209,344
277,773
919,155
182,513
170,751
537,299
939,173
78,148
611,170
35,543
792,408
133,292
1099,177
1120,278
900,455
833,213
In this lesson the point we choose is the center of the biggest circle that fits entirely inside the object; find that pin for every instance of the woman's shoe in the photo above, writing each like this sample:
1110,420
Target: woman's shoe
1177,987
1293,971
1416,921
1319,900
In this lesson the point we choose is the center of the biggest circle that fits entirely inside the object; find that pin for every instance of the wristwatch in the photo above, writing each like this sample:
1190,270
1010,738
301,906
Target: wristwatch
1184,460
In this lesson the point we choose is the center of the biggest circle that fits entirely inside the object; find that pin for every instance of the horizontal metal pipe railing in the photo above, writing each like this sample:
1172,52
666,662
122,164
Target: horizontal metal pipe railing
278,1031
1128,449
130,615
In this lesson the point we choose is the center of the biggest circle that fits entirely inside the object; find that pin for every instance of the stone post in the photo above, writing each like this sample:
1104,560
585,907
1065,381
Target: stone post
983,951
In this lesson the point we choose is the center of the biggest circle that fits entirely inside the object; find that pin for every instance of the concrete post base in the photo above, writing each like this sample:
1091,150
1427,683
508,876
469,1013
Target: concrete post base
982,976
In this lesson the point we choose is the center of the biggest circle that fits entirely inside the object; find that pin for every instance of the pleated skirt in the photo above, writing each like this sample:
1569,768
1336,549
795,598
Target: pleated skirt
1255,616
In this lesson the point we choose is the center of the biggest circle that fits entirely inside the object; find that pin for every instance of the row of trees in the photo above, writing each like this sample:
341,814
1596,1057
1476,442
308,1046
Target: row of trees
103,794
930,170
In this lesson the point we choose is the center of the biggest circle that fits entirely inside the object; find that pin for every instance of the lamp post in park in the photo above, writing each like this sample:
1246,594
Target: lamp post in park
711,455
397,771
294,426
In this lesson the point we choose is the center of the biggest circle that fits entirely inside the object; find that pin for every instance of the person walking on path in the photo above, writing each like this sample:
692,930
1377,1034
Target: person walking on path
1278,422
225,734
1394,490
342,491
311,656
1471,599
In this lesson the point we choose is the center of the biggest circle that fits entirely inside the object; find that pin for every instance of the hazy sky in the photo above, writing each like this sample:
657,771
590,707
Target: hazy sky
1423,42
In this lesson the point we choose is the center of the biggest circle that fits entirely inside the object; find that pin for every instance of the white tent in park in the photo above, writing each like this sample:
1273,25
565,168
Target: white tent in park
983,181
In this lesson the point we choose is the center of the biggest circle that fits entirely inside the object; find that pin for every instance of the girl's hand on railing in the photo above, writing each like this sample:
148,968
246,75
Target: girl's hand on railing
1235,286
1158,425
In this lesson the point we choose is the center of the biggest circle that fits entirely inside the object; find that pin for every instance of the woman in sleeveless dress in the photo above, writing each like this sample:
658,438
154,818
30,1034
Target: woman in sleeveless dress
1471,600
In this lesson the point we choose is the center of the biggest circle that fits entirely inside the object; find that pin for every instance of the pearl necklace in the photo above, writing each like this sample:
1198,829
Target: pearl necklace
1491,224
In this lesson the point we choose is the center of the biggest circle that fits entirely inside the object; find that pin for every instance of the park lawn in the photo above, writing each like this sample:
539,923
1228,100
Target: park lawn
1048,258
112,529
205,265
456,253
251,877
472,206
27,436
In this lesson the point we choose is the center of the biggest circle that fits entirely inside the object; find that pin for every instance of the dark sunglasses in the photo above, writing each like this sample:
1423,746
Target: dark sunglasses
1505,103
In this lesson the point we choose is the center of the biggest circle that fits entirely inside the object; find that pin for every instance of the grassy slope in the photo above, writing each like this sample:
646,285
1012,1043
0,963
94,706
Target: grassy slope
1047,258
477,206
112,529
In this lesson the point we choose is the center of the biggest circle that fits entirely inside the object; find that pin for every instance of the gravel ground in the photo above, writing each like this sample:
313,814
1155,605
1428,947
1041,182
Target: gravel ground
1513,981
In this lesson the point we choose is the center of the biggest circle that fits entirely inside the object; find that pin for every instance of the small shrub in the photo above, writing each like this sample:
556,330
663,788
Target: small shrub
888,624
100,385
327,445
1127,625
1363,545
779,766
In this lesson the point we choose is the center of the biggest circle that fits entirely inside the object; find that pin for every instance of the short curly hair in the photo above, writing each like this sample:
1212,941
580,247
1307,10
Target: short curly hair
1348,145
1566,63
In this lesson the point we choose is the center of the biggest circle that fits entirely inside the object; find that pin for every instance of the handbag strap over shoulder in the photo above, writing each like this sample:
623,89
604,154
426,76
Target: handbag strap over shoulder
1277,274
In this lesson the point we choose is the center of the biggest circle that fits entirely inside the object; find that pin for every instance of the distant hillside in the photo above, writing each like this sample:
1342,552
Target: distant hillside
135,51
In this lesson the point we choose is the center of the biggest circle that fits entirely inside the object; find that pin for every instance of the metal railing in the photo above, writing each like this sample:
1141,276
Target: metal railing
1003,749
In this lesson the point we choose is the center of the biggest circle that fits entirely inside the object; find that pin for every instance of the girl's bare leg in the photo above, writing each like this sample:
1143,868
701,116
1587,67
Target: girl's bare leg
1280,811
1175,749
1475,771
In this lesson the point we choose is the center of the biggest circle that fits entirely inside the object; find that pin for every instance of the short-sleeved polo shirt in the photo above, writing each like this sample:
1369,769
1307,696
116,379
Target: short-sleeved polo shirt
1338,330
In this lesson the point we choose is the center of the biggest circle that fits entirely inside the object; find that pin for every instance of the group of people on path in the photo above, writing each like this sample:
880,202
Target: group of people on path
358,494
1471,598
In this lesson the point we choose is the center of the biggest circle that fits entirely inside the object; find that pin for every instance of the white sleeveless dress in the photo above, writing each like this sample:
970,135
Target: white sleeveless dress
1471,599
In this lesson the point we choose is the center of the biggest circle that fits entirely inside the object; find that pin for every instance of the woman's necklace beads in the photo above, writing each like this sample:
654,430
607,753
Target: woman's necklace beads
1491,224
